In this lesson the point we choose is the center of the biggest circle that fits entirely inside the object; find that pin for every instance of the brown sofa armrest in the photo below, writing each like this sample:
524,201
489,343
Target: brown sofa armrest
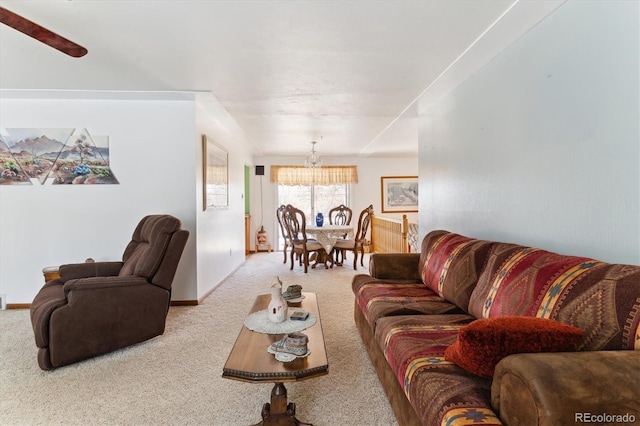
567,388
399,266
93,283
74,271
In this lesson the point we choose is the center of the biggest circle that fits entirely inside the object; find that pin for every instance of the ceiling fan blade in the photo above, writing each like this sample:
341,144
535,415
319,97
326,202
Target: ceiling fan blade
41,34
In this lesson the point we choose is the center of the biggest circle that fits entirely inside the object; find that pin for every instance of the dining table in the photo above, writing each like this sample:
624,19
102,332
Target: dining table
328,235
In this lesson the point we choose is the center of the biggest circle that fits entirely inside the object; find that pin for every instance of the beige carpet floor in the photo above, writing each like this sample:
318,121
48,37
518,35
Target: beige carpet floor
176,378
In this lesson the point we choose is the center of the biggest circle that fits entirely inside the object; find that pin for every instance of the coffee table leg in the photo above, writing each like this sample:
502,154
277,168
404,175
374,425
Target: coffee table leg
278,412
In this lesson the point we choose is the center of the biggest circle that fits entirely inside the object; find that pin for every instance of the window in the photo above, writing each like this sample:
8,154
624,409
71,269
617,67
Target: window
313,190
312,199
324,197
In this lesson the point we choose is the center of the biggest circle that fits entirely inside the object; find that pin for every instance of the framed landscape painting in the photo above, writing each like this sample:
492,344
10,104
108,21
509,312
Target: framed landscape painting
54,156
399,194
216,175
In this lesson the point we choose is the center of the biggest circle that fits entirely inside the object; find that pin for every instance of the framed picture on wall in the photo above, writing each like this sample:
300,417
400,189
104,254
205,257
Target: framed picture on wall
399,194
216,175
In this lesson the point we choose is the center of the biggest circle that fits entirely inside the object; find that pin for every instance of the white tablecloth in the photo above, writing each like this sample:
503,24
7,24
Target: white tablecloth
327,235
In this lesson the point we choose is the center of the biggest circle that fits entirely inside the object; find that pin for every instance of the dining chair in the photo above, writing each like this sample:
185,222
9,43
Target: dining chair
283,231
356,245
296,225
340,215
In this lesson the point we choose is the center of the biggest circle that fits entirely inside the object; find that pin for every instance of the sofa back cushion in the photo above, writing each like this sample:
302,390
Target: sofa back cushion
148,245
450,265
601,299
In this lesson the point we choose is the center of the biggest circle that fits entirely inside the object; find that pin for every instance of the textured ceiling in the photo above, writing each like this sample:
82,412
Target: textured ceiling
288,72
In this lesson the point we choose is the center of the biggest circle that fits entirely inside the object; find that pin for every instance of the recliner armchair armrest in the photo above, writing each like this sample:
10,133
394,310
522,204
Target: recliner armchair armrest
74,271
567,388
400,266
93,283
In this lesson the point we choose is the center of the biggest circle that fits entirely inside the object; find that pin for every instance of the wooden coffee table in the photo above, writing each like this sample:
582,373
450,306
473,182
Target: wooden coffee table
249,361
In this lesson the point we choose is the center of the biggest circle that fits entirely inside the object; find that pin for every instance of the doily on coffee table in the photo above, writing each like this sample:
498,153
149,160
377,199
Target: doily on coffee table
259,321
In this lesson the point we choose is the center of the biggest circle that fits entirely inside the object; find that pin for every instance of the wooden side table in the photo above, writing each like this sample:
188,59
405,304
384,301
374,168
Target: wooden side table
50,273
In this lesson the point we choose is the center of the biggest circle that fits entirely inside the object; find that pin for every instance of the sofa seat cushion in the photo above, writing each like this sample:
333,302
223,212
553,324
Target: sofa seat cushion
380,298
599,298
450,265
483,343
440,391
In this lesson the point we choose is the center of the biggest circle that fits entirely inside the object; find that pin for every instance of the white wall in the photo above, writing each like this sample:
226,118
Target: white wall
151,154
365,192
156,154
220,241
542,146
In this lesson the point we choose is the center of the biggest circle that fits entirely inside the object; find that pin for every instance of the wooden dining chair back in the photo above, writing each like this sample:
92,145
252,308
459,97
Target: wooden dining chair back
340,215
356,245
283,231
295,223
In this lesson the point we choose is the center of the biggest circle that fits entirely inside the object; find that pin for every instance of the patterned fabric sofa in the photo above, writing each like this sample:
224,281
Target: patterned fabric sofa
410,308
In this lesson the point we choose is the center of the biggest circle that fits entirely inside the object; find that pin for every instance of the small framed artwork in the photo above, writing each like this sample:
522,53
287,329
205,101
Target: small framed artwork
216,175
399,194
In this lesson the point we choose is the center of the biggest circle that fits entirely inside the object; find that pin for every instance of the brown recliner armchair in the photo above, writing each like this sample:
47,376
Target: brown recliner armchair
95,308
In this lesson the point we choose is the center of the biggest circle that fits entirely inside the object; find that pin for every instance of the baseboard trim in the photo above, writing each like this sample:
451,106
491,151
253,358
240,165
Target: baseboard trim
18,305
184,303
207,294
215,287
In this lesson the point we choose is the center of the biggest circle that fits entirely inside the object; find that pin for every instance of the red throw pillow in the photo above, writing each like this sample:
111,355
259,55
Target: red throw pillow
484,342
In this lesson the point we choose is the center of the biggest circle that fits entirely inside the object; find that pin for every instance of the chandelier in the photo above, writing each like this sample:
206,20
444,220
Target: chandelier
313,159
